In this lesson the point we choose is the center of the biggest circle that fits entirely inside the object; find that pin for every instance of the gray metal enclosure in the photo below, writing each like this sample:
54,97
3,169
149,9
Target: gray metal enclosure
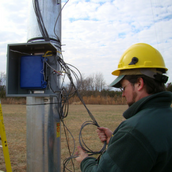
14,54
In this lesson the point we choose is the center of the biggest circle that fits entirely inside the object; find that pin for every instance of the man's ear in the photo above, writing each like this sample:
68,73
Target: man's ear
140,84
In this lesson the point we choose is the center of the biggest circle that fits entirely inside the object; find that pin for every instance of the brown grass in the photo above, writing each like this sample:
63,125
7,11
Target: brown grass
15,124
116,100
12,100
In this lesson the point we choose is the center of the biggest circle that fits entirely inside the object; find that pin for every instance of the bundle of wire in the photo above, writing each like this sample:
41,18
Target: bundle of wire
65,105
40,21
66,94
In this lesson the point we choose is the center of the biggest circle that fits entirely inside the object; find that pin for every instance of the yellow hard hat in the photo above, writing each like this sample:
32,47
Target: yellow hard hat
140,55
138,59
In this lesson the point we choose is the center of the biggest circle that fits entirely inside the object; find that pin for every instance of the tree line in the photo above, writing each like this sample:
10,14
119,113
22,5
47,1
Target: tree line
93,85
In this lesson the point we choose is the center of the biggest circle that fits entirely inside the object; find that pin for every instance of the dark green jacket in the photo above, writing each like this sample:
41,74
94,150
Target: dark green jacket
143,142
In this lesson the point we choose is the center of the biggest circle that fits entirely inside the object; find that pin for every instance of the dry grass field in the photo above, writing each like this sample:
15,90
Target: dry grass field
15,124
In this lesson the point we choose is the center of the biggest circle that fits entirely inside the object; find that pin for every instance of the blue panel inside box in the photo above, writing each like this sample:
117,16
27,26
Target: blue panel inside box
31,72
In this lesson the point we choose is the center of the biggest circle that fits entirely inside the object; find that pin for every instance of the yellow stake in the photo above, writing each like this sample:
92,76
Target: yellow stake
4,142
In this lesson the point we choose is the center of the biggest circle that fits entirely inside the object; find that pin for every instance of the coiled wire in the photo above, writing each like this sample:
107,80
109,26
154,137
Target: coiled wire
64,109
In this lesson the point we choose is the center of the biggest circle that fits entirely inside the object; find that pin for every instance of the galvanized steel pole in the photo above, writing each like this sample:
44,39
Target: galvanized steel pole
43,122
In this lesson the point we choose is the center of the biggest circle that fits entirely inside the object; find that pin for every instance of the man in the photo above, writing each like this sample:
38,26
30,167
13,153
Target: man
143,142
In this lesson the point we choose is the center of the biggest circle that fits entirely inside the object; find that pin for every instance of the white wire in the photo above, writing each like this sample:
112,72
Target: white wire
52,68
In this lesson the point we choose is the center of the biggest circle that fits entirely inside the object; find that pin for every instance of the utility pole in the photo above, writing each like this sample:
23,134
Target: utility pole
43,122
43,101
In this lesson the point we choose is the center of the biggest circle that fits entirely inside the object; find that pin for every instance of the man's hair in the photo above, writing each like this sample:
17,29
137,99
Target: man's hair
152,86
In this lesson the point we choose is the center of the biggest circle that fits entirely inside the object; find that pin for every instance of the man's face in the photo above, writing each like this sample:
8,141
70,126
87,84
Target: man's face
129,92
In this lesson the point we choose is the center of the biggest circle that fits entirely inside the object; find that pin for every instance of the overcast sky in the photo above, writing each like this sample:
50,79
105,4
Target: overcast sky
97,32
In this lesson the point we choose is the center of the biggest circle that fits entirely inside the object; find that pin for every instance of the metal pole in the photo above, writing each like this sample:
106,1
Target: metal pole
43,122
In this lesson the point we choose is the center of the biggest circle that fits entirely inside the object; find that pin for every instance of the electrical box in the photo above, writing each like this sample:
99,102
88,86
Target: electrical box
27,71
32,74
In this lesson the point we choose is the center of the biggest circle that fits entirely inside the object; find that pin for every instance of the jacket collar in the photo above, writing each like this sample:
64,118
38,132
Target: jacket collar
162,99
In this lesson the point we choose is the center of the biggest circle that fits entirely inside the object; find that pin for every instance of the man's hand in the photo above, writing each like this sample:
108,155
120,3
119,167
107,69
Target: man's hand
104,134
81,155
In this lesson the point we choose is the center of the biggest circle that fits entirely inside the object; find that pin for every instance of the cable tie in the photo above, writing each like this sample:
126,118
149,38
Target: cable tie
59,52
48,53
58,72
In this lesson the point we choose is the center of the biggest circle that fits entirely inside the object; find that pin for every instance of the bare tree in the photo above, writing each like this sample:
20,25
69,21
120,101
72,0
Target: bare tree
91,82
2,84
2,78
99,82
94,82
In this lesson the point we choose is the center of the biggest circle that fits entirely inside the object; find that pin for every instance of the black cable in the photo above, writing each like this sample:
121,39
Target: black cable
40,21
65,104
68,72
82,143
58,18
63,110
65,162
93,122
